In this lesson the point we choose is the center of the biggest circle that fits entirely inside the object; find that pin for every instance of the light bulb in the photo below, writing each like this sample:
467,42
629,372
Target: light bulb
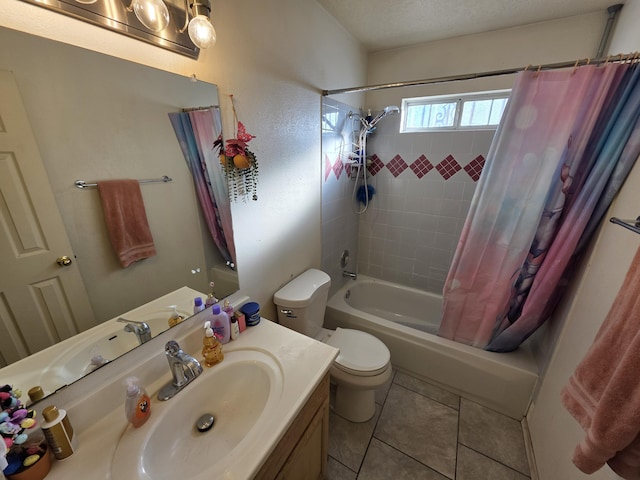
153,14
201,32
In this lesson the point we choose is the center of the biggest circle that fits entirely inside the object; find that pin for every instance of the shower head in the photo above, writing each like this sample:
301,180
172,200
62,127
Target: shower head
389,110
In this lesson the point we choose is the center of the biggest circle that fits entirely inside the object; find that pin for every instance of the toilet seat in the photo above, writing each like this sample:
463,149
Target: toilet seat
361,354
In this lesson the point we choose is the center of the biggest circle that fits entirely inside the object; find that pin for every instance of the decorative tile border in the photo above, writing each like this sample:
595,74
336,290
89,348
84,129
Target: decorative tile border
447,167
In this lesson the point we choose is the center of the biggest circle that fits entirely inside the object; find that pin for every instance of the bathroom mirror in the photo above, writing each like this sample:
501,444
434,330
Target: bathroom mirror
96,117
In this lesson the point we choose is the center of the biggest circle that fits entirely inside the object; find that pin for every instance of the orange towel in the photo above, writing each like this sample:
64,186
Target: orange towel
126,220
603,394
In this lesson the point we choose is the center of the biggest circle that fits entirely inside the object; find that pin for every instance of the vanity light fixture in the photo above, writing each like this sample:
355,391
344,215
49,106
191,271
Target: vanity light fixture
147,20
201,32
153,14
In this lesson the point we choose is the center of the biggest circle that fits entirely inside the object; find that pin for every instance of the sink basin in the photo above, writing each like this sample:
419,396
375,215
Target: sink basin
241,393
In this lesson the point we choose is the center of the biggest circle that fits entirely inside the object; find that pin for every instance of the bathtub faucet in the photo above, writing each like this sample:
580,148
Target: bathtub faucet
346,273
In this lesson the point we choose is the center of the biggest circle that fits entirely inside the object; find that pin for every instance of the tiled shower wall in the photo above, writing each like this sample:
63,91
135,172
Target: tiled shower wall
424,183
339,222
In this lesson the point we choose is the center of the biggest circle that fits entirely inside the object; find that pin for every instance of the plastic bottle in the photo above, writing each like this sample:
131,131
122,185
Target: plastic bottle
198,306
58,431
211,347
175,317
235,329
211,298
228,309
220,323
137,406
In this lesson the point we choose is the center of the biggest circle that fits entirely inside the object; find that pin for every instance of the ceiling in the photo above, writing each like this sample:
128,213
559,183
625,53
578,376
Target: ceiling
385,24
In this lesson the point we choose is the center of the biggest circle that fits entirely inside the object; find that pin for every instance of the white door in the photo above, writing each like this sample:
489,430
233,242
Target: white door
41,302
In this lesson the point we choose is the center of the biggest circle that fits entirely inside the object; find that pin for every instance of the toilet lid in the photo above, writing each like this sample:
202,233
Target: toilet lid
360,352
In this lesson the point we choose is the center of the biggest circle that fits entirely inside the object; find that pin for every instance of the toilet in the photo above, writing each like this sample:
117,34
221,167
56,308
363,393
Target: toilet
363,363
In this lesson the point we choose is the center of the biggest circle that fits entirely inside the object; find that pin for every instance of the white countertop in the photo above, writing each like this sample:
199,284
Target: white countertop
100,421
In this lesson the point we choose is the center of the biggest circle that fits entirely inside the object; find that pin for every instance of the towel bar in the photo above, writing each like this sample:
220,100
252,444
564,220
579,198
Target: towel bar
633,225
164,179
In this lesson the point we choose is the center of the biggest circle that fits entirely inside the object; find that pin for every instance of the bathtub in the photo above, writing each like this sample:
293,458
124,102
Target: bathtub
407,319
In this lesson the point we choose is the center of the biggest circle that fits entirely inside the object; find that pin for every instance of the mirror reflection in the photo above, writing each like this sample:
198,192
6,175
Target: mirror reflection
85,116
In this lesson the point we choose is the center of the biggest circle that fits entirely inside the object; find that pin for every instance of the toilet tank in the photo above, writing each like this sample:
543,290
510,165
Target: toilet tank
301,302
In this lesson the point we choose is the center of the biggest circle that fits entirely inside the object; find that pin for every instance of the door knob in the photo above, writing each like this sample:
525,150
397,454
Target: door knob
63,261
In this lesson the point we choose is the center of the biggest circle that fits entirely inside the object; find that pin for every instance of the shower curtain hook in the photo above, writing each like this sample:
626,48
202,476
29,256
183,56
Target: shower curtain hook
538,71
575,67
526,68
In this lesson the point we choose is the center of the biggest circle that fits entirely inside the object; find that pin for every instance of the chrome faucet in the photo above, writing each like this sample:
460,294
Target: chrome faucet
184,369
346,273
140,329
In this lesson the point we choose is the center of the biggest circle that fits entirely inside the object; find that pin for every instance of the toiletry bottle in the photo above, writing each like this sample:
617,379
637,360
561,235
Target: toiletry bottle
228,309
198,306
137,406
242,322
175,317
220,323
211,347
235,329
58,431
211,298
35,393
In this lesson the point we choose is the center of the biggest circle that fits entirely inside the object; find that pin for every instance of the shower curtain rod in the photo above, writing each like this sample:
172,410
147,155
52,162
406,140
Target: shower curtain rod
470,76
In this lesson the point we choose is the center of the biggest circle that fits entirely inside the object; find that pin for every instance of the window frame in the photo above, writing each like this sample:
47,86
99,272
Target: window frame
459,99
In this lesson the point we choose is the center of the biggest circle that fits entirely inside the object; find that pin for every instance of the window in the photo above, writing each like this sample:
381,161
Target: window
475,111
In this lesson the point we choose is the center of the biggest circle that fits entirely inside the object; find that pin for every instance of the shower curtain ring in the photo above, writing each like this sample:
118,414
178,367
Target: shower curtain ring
538,71
575,66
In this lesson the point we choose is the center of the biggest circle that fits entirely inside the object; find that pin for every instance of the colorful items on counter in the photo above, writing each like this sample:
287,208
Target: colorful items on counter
20,451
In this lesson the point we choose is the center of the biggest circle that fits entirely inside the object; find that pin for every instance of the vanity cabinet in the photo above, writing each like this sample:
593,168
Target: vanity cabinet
301,454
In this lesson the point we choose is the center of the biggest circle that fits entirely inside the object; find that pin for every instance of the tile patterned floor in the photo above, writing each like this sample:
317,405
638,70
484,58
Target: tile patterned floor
422,432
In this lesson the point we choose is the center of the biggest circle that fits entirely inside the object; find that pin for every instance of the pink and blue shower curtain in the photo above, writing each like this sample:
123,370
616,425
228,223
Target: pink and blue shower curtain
197,132
564,147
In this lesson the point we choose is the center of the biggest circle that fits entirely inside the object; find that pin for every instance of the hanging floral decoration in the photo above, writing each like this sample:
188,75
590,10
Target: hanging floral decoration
240,163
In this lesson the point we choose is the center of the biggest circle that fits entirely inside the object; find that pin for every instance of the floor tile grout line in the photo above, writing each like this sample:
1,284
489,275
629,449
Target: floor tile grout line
366,450
345,466
431,398
494,459
411,457
455,470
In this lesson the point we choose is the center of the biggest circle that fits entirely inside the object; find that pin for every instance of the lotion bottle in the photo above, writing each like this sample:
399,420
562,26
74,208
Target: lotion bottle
58,431
220,323
198,306
137,406
235,329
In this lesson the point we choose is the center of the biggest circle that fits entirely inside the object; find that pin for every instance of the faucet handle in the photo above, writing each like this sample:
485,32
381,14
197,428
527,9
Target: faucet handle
172,348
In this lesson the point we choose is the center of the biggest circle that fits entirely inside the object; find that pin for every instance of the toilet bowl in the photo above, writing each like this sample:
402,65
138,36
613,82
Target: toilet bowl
363,363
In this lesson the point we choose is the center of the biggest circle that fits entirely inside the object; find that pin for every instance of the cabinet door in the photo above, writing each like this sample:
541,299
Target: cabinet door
308,459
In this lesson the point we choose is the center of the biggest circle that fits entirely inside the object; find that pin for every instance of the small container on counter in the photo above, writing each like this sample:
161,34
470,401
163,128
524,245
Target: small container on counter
235,329
58,431
242,324
198,305
251,312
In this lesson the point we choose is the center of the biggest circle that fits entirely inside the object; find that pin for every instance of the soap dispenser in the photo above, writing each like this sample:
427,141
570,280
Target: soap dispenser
137,406
211,347
175,317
